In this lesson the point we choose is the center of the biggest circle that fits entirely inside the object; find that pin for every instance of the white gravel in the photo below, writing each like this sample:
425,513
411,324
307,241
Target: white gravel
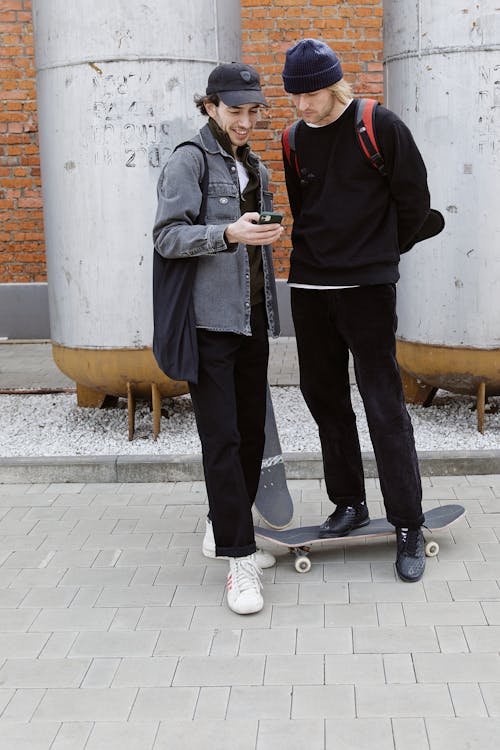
53,425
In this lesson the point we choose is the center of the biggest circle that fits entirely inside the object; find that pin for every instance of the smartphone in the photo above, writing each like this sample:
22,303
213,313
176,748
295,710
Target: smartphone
270,217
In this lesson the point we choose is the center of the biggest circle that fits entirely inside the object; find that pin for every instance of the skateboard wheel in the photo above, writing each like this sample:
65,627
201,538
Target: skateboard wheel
302,565
431,549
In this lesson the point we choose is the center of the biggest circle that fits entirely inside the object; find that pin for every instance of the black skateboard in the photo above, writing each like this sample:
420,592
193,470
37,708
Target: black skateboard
273,502
301,539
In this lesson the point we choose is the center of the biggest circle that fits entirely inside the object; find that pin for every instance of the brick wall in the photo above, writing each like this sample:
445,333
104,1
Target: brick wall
22,254
353,28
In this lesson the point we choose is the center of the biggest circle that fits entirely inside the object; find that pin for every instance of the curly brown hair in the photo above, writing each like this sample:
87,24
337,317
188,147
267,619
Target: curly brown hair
200,101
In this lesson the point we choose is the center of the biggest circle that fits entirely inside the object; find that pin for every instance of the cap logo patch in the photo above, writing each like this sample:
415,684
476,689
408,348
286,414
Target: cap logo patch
246,75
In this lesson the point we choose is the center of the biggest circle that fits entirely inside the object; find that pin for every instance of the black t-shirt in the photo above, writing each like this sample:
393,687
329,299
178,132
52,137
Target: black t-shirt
349,221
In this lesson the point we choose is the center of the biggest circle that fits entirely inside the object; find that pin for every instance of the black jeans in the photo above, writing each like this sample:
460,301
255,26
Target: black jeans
229,403
329,323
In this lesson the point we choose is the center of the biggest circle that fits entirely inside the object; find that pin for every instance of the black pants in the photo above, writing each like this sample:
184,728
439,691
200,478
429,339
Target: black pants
229,403
329,323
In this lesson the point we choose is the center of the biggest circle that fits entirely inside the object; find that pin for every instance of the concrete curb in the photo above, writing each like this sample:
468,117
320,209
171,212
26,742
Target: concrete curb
188,468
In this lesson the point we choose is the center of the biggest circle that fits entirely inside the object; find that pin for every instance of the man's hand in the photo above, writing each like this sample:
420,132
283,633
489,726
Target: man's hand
246,231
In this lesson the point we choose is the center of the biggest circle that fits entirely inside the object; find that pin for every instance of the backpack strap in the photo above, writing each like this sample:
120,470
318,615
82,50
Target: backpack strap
288,143
364,119
203,182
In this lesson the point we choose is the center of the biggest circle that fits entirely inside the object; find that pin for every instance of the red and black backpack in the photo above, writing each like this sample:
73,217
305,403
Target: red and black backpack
364,126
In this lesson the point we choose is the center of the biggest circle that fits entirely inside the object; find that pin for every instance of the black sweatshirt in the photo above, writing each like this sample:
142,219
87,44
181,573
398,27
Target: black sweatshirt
350,223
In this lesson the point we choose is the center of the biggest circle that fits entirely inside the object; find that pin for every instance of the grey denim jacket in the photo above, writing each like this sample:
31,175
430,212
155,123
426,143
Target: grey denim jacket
221,293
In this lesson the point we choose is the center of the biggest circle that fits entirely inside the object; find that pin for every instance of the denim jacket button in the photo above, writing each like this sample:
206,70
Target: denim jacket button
223,200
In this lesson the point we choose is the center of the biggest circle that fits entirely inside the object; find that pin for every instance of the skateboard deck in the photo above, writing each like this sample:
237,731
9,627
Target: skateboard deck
273,502
299,540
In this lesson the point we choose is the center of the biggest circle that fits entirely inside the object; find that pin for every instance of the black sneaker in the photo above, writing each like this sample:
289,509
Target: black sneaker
343,520
410,561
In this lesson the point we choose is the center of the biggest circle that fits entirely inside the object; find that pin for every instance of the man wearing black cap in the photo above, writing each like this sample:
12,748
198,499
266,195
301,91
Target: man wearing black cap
235,304
350,225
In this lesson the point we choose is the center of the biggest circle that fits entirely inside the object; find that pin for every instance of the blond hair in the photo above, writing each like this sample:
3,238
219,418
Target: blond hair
342,91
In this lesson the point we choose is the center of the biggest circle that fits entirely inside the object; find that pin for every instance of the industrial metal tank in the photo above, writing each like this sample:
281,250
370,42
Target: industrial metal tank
115,84
442,76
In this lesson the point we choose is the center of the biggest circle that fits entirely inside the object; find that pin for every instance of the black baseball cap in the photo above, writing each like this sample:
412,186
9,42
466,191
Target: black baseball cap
236,84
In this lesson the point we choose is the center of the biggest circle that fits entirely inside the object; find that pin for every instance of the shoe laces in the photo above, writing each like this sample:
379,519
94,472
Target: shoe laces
410,540
245,573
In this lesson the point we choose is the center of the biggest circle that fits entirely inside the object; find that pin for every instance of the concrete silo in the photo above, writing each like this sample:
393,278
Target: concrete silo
115,85
442,69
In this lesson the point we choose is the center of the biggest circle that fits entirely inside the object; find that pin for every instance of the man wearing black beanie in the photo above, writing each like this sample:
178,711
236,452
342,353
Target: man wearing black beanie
350,225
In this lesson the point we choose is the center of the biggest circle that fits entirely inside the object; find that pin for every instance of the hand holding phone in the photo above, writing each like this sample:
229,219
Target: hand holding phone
270,217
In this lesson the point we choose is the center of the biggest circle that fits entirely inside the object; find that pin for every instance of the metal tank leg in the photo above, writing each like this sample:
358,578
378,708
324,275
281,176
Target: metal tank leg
480,404
131,410
156,402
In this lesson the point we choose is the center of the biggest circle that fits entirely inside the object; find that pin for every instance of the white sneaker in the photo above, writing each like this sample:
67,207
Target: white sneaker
244,586
263,559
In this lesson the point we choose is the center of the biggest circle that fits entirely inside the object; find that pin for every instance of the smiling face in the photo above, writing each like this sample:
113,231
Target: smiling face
318,107
237,122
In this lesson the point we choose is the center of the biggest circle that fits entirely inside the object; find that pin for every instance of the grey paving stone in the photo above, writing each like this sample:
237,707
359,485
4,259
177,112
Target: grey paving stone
126,618
391,614
163,703
21,736
73,619
45,673
492,612
12,620
467,700
399,669
204,733
324,641
386,592
410,734
223,618
126,736
225,643
452,639
23,705
333,592
215,671
115,577
483,638
474,590
265,641
359,734
101,673
354,669
264,701
22,645
155,618
389,640
491,695
293,734
183,643
439,668
72,736
58,645
404,701
294,670
198,595
86,705
212,703
116,643
463,733
284,615
323,701
444,613
135,596
337,615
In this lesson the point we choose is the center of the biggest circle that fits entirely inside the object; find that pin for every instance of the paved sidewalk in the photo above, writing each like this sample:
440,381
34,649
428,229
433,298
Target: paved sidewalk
114,632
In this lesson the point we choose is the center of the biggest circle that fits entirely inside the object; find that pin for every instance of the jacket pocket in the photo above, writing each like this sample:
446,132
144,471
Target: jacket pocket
222,203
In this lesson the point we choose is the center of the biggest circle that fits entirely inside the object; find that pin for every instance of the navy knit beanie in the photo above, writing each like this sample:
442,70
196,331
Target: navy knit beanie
310,65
